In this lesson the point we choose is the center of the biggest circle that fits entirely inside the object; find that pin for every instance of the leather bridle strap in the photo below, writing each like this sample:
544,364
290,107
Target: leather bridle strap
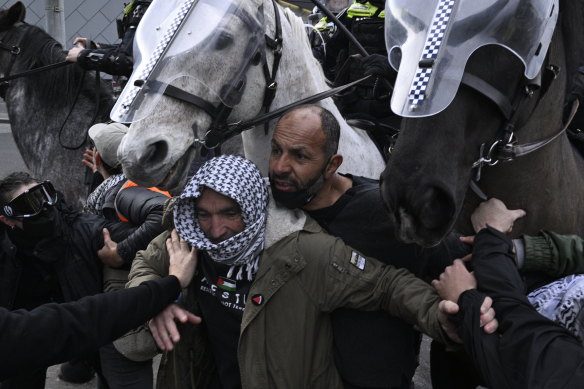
275,44
238,128
509,152
490,92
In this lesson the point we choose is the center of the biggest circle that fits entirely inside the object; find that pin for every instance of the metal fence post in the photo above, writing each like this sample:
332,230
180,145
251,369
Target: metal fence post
56,20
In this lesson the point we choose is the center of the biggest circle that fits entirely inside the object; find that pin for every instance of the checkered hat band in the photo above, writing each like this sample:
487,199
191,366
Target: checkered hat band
431,48
240,180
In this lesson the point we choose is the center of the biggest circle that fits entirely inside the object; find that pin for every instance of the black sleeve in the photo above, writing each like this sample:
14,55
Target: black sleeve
143,208
116,60
54,333
533,352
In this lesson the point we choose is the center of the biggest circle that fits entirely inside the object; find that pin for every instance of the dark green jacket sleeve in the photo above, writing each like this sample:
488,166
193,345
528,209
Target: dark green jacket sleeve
54,333
554,254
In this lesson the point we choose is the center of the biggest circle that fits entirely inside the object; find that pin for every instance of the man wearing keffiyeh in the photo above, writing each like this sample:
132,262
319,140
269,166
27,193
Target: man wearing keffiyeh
268,278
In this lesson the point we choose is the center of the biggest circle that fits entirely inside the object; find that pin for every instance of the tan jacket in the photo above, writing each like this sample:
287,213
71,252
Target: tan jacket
286,341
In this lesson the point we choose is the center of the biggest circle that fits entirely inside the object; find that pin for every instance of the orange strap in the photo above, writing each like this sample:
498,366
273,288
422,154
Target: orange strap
130,184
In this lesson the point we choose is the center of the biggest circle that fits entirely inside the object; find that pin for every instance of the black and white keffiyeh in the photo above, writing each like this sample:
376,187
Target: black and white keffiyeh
240,180
563,302
96,199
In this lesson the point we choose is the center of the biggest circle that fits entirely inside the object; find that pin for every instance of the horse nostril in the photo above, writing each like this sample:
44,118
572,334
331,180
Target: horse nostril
436,210
156,152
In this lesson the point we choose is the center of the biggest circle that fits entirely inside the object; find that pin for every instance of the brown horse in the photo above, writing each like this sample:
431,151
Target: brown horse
426,183
49,111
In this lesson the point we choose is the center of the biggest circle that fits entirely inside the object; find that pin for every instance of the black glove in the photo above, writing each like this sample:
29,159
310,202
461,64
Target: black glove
377,65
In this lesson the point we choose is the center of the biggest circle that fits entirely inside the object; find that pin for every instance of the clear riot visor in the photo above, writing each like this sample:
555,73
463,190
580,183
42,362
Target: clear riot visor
430,41
200,46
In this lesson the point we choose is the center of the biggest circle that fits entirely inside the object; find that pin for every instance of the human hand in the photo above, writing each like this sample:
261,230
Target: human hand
163,326
454,281
445,309
81,42
487,319
89,159
73,53
182,260
494,213
108,254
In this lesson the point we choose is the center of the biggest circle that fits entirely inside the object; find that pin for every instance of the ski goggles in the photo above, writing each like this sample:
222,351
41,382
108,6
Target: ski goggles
31,202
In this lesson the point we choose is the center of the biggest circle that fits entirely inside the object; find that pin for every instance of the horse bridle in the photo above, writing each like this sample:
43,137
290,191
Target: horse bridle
220,130
505,147
15,50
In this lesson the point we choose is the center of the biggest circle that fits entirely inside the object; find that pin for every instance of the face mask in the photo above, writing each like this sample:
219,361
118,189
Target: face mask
42,225
299,198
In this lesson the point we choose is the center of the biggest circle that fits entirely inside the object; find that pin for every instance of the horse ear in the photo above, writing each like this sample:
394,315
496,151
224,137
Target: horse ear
16,13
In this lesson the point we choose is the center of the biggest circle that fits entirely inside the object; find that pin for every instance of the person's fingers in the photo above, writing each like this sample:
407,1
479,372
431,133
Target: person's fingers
486,305
192,318
159,334
467,239
448,307
169,247
171,329
87,163
467,258
517,214
487,317
106,237
154,332
491,327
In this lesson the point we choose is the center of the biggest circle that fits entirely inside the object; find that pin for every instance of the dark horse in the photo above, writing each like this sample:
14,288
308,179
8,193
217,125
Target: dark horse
39,104
426,184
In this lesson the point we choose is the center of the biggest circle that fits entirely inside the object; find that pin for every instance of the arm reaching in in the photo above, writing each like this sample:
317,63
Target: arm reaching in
183,262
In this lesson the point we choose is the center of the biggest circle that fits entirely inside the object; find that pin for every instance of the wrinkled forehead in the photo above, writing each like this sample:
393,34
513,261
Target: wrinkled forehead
430,41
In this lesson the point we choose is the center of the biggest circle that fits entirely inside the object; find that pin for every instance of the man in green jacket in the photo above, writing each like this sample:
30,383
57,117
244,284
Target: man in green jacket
268,279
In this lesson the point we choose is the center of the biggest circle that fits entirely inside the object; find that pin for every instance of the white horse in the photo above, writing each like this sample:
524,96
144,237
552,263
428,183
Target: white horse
159,148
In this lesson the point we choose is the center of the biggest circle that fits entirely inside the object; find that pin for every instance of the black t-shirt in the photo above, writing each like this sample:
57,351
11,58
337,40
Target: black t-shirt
374,349
222,301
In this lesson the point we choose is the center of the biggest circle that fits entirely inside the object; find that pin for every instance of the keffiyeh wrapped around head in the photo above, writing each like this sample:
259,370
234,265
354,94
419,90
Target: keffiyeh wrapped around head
240,180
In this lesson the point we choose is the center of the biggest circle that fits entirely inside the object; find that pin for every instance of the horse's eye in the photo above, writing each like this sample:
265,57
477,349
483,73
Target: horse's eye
223,41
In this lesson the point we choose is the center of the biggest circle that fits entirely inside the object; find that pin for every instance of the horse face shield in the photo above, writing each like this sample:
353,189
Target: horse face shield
31,202
429,43
185,43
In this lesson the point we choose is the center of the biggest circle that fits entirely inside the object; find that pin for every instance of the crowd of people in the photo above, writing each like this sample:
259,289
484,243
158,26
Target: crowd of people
295,280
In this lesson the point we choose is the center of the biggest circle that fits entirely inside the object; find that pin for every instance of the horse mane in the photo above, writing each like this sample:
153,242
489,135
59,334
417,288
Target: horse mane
301,38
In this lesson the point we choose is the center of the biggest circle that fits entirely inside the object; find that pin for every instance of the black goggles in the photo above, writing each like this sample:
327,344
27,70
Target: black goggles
31,202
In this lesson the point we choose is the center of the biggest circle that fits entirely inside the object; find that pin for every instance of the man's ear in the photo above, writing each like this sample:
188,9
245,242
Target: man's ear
335,161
